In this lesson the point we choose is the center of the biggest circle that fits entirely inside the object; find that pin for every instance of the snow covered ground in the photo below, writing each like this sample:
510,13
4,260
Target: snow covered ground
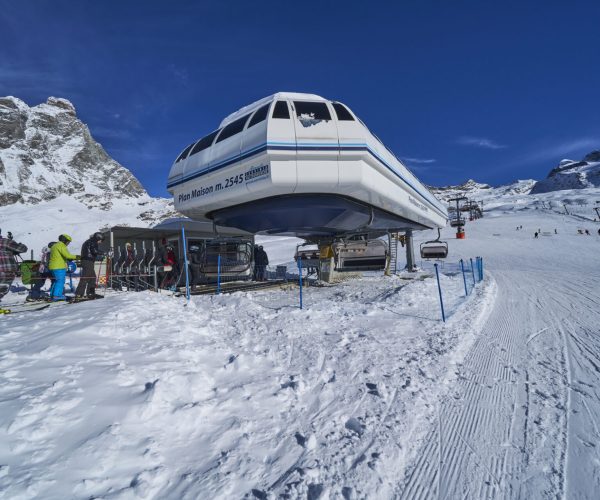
37,225
363,394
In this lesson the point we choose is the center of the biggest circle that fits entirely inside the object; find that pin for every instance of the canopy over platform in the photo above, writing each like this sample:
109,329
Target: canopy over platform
172,227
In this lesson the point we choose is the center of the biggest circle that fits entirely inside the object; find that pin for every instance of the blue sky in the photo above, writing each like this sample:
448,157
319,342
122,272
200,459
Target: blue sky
493,91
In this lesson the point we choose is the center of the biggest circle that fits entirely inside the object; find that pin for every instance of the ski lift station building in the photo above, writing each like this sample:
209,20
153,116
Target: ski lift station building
208,240
299,164
196,233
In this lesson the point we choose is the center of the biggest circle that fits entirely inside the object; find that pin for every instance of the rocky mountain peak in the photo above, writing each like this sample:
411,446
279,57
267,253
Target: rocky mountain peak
63,104
572,174
46,151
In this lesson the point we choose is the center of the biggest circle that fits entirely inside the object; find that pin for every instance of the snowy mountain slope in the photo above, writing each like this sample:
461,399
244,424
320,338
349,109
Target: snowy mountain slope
572,175
46,151
478,191
37,225
54,177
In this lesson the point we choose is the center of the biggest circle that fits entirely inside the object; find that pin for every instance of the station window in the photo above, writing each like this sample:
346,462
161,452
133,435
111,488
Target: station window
281,110
184,153
342,112
235,127
259,116
204,143
316,110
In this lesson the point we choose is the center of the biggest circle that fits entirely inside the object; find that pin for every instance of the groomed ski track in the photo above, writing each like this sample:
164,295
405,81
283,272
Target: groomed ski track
523,418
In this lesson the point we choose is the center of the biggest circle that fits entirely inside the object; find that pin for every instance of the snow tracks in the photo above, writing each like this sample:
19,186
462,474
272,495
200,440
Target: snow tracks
523,418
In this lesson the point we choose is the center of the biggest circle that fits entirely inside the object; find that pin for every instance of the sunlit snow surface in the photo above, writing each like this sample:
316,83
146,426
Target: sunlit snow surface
363,394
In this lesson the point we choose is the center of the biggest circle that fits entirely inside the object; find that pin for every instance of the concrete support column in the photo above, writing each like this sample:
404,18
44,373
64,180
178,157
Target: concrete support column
410,252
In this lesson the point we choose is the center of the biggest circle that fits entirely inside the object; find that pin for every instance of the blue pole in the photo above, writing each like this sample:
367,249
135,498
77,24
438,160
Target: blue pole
219,274
473,272
300,278
481,262
462,267
185,258
437,275
479,268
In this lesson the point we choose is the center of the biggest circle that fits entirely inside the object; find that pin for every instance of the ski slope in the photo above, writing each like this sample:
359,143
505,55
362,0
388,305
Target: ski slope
522,420
363,394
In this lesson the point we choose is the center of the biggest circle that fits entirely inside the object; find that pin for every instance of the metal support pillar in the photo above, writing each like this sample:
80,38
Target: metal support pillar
326,263
410,252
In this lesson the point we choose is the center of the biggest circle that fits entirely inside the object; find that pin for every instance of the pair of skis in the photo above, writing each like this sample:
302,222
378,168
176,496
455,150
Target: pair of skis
39,305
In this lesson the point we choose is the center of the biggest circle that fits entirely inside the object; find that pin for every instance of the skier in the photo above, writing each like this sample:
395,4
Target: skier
555,231
587,232
59,254
44,274
9,249
598,232
89,254
535,235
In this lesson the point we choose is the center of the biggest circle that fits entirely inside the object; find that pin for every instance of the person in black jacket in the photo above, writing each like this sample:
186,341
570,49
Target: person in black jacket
262,261
89,254
196,262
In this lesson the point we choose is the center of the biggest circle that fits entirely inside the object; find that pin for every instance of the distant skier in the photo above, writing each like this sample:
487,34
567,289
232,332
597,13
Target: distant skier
59,255
555,231
9,249
89,254
535,235
587,232
598,232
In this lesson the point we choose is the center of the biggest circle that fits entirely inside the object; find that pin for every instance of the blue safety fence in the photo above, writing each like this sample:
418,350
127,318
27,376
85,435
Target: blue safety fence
468,272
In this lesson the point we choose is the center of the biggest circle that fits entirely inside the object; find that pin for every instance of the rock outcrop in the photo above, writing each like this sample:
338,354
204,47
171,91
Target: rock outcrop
571,174
46,151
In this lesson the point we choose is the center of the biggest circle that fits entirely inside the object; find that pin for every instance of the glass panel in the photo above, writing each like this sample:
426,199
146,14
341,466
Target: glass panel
204,143
184,153
281,110
342,112
233,128
260,115
314,110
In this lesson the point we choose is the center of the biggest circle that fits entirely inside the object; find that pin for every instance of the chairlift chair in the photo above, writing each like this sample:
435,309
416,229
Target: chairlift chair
434,249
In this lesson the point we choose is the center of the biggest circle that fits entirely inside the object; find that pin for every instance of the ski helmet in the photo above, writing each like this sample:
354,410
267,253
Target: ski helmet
65,238
99,236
